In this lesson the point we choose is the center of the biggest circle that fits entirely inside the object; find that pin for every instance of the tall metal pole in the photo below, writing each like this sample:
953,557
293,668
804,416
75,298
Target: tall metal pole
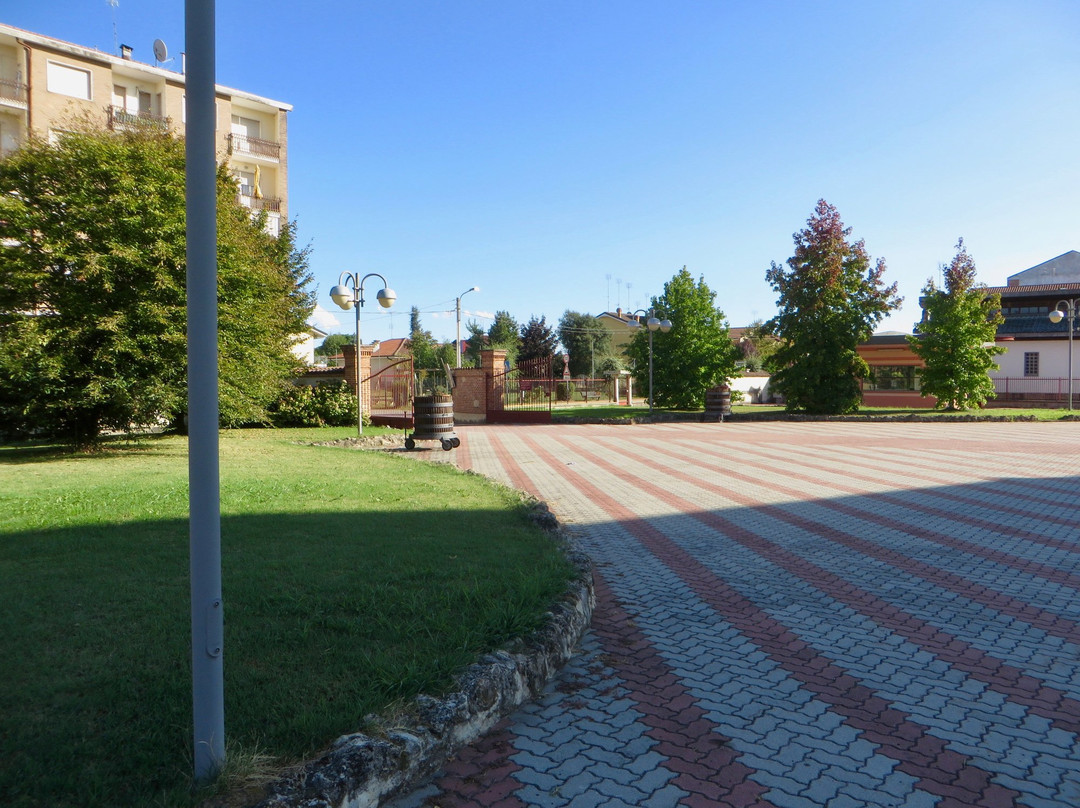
650,368
359,387
1055,317
207,622
1072,325
352,296
457,342
458,351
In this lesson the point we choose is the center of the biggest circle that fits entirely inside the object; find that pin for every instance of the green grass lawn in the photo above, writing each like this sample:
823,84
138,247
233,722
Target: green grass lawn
351,580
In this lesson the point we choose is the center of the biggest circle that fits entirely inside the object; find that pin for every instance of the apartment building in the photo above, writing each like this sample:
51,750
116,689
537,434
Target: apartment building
47,84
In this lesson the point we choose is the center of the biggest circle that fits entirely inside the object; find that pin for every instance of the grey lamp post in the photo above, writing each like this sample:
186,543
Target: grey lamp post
653,324
458,345
351,296
1063,309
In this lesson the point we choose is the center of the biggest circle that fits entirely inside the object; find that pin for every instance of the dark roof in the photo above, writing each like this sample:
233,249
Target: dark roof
887,339
324,371
1042,290
1032,324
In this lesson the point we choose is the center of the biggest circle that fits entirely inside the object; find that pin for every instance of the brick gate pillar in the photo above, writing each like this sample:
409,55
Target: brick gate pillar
365,371
492,362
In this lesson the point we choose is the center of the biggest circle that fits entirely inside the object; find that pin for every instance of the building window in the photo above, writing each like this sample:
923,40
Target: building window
247,127
246,181
894,377
67,80
1031,363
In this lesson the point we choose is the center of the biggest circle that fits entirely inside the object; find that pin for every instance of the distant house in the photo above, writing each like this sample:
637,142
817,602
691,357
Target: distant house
1035,367
46,83
895,372
304,348
621,326
1033,370
389,352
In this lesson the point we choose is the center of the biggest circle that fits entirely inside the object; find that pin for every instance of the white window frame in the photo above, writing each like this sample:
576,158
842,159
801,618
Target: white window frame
60,78
242,125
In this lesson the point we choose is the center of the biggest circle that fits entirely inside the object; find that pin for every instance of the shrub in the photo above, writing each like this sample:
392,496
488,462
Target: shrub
321,405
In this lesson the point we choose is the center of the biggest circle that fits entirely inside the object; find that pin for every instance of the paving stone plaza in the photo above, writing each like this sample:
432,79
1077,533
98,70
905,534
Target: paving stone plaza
800,615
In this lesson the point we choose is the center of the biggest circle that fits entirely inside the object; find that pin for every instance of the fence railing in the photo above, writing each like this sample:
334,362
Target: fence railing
392,389
584,391
242,144
120,118
11,90
268,203
1034,388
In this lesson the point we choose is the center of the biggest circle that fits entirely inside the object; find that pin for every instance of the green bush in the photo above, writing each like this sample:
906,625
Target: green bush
565,390
321,405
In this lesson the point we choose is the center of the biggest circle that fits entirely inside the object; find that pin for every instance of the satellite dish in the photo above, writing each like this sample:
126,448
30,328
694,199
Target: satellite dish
161,53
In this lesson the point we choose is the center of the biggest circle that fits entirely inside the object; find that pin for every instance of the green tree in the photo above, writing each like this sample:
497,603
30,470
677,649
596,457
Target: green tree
92,290
538,340
421,343
476,341
332,345
830,300
758,346
695,355
505,333
955,338
586,340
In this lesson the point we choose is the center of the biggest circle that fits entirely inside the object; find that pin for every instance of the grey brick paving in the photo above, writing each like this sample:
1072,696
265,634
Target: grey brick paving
828,614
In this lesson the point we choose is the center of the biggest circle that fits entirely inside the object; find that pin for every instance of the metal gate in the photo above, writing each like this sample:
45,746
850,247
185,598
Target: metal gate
391,391
523,394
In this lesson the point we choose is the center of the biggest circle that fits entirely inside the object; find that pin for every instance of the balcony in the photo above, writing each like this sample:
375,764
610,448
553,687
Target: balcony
11,90
253,146
120,119
256,203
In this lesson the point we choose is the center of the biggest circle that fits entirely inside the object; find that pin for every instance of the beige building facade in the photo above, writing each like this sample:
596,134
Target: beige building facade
47,86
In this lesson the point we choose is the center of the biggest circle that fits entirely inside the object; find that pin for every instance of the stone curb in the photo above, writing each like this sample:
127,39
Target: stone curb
360,771
743,417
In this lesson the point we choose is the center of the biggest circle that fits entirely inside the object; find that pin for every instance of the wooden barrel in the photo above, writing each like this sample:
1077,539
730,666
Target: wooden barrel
718,402
433,417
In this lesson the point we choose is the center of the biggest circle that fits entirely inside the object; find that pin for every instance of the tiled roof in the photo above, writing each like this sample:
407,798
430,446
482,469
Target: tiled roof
1040,324
1032,291
392,347
324,371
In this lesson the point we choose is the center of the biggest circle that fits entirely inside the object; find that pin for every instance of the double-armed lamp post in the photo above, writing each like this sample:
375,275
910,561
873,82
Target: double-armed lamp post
351,296
653,324
1063,309
458,345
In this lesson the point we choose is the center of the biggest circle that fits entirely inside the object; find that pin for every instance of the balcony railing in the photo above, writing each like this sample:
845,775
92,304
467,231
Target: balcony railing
267,203
120,118
11,90
1034,388
242,144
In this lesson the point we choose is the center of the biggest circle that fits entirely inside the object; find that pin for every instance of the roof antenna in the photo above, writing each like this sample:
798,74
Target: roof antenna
116,38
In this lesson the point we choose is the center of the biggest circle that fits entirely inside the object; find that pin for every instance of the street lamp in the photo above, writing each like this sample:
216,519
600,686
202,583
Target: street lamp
653,324
458,346
1063,309
352,297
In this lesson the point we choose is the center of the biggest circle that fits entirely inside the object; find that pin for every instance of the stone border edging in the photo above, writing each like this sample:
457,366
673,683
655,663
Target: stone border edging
784,416
359,771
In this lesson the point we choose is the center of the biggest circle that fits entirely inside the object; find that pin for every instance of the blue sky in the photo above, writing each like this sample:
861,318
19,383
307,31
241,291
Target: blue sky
576,154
